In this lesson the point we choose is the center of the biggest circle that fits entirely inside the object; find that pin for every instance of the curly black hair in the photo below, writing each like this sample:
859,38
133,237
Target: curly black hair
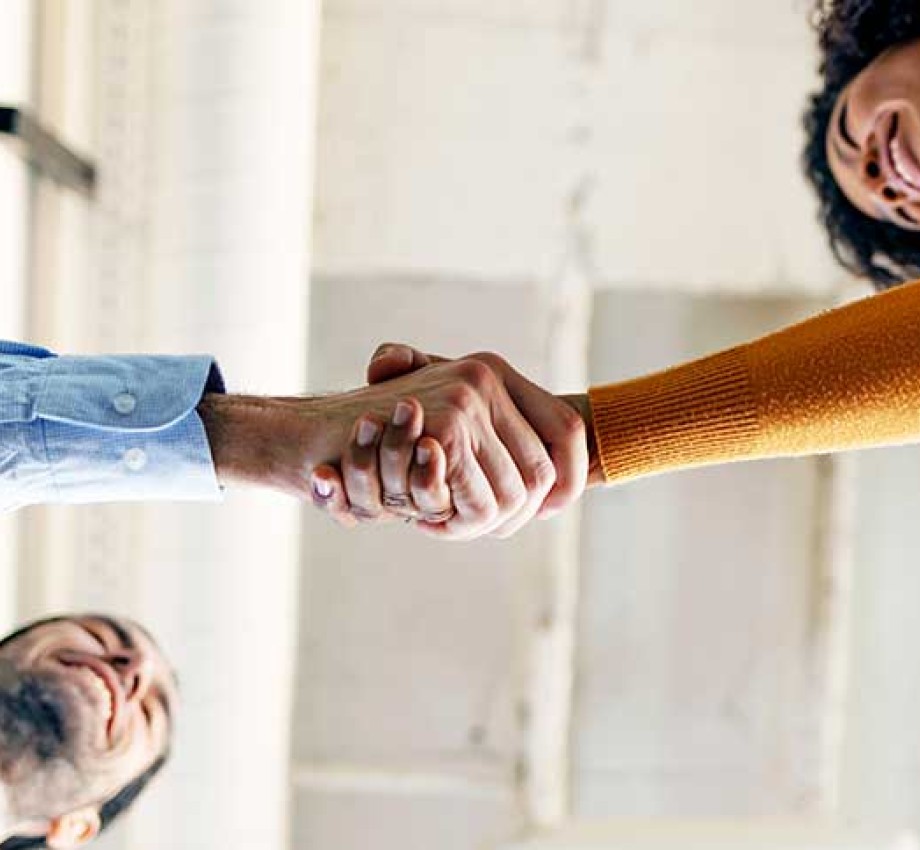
851,33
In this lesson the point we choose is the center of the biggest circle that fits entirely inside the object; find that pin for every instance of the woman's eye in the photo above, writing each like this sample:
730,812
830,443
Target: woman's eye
904,214
842,127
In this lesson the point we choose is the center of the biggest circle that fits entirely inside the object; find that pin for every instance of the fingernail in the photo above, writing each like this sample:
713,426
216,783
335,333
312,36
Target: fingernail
402,414
422,455
322,488
367,433
383,351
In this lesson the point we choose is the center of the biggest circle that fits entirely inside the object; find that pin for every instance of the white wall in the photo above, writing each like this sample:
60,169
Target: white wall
479,167
199,118
594,189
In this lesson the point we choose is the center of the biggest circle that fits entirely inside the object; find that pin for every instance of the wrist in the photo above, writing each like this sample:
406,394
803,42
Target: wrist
260,440
582,405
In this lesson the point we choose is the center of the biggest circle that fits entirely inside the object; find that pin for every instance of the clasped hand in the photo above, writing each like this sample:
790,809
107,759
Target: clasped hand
463,448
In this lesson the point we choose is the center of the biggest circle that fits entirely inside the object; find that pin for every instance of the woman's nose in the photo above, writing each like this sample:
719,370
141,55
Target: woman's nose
133,671
873,177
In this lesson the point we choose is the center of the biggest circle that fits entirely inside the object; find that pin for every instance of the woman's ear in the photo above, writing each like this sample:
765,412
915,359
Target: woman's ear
73,829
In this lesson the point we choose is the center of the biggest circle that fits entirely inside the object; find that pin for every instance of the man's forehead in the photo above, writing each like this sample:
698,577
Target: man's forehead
127,633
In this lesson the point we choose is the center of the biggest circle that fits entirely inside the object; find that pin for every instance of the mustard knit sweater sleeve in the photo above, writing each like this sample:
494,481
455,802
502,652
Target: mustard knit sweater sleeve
848,378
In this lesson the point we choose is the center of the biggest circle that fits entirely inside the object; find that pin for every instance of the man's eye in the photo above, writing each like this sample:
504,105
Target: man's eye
842,127
96,637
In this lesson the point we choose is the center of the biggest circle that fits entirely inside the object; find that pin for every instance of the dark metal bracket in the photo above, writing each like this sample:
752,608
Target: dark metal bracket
45,152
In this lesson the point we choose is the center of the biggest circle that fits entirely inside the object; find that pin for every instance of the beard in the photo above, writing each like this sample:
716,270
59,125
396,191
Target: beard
33,719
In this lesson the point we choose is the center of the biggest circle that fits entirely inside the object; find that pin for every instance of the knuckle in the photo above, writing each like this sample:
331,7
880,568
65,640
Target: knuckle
571,424
540,476
393,450
513,500
476,372
495,362
486,512
364,514
453,435
462,396
362,468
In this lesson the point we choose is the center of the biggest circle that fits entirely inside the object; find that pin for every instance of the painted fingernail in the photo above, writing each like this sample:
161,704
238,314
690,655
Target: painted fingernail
367,433
402,414
322,488
422,455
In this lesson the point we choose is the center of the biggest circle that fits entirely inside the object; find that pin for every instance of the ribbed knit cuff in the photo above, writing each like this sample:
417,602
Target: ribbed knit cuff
699,413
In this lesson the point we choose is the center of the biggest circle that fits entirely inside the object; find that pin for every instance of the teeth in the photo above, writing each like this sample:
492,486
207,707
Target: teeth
898,161
105,695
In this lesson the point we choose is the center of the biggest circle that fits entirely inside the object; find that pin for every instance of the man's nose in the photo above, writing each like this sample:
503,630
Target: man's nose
133,671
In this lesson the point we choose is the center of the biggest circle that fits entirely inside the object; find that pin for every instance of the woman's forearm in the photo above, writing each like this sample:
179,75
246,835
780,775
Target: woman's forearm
846,379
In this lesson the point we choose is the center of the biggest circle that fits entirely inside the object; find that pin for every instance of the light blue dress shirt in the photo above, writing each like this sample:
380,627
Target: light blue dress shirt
103,429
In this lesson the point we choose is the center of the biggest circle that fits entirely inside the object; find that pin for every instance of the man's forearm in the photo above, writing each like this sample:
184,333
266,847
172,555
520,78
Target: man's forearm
256,440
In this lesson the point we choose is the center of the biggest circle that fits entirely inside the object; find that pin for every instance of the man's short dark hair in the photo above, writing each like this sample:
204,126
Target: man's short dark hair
851,33
112,807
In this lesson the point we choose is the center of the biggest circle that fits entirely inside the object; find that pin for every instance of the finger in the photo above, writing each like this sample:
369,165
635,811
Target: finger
533,462
391,360
428,482
360,469
472,492
328,494
562,430
396,448
503,477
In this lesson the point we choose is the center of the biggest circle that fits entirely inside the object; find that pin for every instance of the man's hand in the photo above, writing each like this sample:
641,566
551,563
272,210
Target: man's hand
401,475
562,423
497,468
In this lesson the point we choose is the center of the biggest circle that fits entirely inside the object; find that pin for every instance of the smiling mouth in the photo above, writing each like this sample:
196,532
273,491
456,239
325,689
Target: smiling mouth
103,690
904,167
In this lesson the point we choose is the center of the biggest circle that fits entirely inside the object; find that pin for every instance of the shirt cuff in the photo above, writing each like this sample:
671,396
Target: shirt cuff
120,428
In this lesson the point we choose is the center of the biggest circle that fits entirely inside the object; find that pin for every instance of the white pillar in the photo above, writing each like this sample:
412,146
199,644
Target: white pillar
15,62
205,151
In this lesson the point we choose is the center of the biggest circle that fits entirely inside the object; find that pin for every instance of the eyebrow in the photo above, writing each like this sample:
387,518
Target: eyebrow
842,127
164,704
127,642
847,157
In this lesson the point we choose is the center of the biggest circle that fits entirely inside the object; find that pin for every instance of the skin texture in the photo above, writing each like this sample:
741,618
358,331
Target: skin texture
873,140
499,470
571,448
86,705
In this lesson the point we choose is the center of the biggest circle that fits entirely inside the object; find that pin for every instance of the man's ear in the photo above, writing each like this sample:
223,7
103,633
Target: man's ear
73,829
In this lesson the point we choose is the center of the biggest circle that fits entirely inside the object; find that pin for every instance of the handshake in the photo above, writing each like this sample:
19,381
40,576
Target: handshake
460,448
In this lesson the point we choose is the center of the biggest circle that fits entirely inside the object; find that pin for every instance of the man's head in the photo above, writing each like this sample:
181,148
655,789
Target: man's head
86,708
862,151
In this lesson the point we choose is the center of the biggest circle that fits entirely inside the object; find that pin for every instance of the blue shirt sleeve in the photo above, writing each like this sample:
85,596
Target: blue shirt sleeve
103,429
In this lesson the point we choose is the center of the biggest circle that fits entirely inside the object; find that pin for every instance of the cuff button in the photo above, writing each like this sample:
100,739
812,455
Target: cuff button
124,403
135,459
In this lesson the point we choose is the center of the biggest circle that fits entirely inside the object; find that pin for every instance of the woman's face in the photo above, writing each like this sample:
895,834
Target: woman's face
873,140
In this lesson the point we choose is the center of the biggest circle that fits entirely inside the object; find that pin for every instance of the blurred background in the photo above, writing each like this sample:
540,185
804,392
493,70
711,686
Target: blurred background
594,188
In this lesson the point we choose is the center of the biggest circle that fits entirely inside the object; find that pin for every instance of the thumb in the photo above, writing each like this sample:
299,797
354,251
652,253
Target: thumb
391,360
